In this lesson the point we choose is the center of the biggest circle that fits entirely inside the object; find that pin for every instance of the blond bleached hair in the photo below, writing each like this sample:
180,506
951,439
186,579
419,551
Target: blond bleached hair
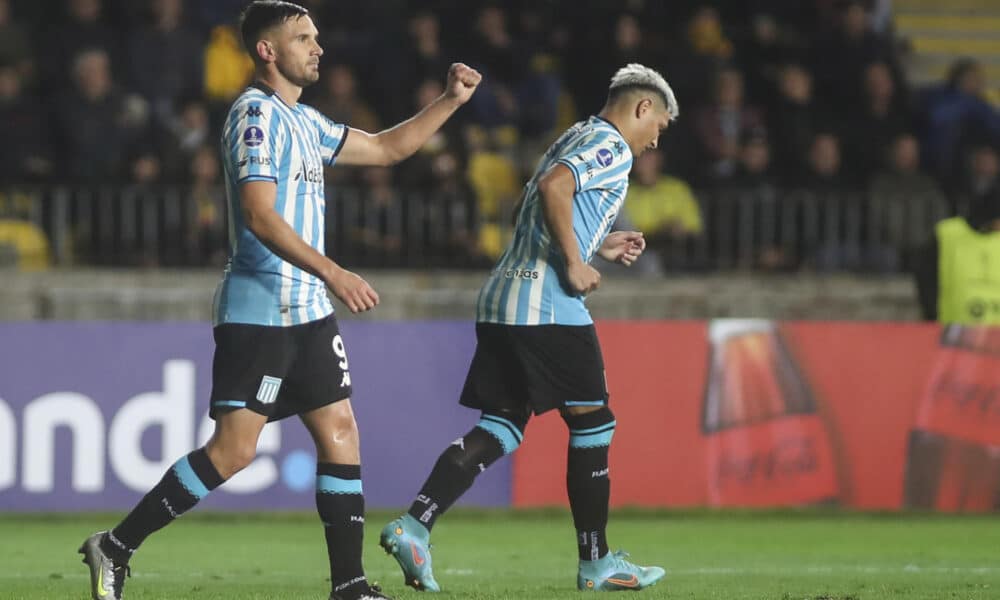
634,75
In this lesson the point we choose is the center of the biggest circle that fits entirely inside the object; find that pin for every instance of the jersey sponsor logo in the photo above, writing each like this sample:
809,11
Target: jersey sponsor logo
253,136
604,157
264,161
311,173
254,111
520,274
268,390
619,147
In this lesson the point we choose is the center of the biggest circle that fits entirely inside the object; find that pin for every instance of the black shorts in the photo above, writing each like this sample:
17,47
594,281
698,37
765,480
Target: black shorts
535,368
278,371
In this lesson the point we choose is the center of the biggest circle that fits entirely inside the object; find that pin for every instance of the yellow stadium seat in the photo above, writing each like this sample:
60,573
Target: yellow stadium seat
30,246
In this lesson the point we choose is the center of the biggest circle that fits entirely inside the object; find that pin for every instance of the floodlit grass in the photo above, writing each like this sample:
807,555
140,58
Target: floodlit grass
502,554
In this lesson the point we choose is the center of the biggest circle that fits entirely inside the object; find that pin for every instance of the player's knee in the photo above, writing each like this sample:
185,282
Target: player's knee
231,458
507,428
592,429
344,430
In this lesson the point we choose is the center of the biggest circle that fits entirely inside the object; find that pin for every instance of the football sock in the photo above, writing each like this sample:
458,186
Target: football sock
587,481
493,437
341,507
189,480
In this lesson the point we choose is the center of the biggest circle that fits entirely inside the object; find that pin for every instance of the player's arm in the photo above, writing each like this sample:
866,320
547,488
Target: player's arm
393,145
257,199
557,187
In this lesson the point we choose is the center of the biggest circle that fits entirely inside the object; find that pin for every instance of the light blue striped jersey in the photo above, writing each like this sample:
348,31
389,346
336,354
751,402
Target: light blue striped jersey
264,139
526,286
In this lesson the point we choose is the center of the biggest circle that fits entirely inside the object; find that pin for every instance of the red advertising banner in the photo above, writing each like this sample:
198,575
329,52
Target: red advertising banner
751,412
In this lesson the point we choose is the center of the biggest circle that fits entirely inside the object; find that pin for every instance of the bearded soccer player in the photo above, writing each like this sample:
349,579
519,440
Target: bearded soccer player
278,349
536,347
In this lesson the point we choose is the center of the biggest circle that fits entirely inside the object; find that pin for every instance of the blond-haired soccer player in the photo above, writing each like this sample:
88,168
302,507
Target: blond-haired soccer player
536,345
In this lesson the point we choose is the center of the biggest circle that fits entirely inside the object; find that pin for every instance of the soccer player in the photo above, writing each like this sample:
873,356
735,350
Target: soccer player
278,351
536,345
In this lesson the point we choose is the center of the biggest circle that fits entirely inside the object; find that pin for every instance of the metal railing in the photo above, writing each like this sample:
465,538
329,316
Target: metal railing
746,230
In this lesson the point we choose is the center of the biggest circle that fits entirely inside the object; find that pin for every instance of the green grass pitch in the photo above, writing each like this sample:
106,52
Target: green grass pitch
528,555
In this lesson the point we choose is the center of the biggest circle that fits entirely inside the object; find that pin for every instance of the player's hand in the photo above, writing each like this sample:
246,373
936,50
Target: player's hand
583,278
622,247
353,291
462,82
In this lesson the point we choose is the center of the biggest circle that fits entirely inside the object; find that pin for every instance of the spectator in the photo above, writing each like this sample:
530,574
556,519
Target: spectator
722,125
751,201
840,58
794,122
206,231
228,69
340,100
15,49
454,233
83,29
181,137
501,59
423,57
95,122
980,178
378,235
165,58
898,196
25,154
663,208
830,221
955,112
884,115
771,45
703,48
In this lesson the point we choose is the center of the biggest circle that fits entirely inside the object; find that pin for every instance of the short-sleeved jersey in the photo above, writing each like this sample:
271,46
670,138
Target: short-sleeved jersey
264,139
528,284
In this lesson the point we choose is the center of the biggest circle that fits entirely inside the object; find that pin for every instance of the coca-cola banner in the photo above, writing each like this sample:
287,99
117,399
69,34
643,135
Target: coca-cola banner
761,413
92,414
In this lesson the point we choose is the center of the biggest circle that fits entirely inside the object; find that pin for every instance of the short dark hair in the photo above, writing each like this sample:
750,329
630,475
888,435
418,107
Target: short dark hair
263,14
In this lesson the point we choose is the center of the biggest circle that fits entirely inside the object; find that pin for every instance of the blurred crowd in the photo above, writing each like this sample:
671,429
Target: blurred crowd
775,95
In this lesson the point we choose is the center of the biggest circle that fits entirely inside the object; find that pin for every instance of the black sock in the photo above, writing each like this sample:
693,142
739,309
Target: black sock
189,480
587,481
341,507
457,467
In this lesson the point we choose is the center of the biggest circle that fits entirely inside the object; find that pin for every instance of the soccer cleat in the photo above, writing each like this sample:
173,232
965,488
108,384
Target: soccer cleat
408,542
614,574
107,579
374,592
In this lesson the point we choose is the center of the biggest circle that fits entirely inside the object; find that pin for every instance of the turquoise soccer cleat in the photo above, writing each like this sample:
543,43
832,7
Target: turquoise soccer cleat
408,542
613,573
